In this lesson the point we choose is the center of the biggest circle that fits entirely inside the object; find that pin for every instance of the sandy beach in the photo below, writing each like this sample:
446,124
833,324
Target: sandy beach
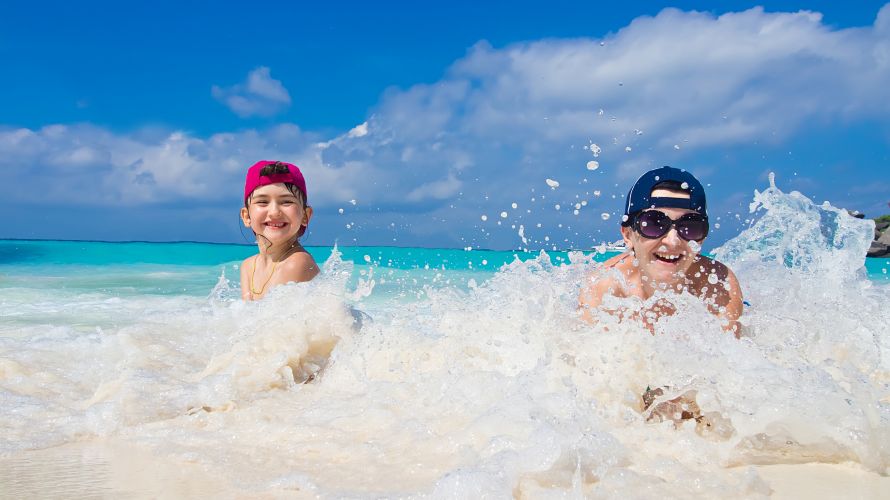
116,469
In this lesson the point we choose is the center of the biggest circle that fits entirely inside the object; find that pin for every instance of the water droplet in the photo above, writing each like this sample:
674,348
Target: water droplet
484,262
514,205
593,165
717,225
352,201
576,211
597,192
657,177
605,216
685,185
556,206
694,246
712,279
552,183
484,218
676,146
596,150
340,210
503,215
624,218
367,258
628,149
584,203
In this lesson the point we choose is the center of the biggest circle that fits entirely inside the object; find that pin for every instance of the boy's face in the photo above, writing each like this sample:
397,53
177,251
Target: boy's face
667,259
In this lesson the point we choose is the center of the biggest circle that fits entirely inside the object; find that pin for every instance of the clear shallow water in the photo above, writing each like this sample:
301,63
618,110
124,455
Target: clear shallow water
474,379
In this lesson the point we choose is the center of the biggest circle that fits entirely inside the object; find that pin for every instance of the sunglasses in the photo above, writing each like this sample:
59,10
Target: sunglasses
654,224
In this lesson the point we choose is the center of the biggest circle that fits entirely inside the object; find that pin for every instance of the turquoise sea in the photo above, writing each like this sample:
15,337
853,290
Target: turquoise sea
439,373
192,268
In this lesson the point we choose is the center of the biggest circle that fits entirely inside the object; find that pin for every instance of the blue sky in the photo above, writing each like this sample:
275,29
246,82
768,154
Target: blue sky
136,122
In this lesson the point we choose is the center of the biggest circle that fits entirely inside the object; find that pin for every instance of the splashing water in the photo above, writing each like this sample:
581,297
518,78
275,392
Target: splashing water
345,387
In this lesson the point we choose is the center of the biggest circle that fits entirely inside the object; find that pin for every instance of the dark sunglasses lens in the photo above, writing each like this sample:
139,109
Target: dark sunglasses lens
653,224
692,228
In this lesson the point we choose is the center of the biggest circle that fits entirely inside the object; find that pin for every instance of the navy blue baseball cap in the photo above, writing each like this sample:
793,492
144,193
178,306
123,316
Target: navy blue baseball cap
640,196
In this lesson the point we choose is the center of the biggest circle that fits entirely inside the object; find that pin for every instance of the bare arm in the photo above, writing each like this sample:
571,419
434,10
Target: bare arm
734,305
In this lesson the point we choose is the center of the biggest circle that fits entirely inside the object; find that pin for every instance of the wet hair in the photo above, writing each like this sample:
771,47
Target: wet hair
275,169
670,186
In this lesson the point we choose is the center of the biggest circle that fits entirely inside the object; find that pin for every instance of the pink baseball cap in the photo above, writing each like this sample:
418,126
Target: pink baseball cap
255,180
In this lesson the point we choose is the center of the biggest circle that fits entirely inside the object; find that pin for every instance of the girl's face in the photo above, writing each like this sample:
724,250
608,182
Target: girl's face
275,213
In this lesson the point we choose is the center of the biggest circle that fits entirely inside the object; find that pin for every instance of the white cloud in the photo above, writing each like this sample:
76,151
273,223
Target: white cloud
260,95
360,130
83,164
504,119
686,78
439,190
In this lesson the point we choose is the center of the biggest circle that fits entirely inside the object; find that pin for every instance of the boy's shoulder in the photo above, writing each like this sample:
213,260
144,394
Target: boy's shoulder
706,266
610,276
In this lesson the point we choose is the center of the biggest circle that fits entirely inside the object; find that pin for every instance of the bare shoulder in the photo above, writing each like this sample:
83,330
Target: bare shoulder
707,269
601,282
246,263
299,267
707,266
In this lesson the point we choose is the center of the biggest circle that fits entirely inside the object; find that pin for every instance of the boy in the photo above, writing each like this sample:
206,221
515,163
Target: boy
665,222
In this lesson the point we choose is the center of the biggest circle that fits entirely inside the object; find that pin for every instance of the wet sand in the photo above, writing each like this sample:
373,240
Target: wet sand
109,469
102,469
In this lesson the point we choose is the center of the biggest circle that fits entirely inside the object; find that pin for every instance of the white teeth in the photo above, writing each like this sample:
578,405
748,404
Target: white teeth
668,256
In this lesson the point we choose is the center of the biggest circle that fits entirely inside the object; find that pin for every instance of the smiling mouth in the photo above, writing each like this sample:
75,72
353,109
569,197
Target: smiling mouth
669,258
275,225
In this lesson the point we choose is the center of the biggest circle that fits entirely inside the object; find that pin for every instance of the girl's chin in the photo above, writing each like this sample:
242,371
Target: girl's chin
280,239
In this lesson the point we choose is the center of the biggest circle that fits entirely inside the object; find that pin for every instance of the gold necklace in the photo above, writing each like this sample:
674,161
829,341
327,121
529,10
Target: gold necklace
274,265
253,273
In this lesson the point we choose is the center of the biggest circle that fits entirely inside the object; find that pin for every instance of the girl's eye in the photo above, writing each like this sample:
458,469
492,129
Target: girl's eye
262,203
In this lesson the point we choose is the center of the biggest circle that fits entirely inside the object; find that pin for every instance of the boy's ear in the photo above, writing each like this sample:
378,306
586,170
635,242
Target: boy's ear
307,215
626,231
245,217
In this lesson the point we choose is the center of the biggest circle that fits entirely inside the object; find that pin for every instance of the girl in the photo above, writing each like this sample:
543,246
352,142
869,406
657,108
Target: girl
275,210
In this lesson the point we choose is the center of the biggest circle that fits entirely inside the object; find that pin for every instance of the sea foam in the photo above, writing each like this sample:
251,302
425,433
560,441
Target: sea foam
439,388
